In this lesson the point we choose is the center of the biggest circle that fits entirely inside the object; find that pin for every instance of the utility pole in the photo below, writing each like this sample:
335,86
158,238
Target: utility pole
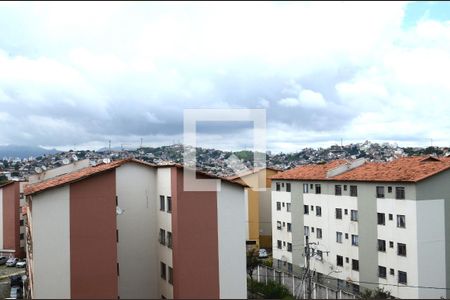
109,146
308,269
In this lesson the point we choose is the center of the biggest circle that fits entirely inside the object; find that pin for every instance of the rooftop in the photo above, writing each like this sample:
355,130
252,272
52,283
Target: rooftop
405,169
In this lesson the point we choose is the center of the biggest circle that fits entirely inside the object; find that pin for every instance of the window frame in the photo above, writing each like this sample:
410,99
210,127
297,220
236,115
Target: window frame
355,240
381,272
383,219
318,189
288,187
319,230
338,215
353,191
401,246
162,203
400,275
163,271
381,243
399,222
400,192
355,262
338,237
354,215
169,204
380,193
338,190
339,258
318,211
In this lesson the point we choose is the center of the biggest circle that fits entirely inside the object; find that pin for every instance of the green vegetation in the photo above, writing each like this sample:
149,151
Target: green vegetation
252,264
271,290
378,293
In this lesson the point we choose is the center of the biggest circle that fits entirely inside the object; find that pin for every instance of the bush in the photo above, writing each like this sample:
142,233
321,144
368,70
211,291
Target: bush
271,290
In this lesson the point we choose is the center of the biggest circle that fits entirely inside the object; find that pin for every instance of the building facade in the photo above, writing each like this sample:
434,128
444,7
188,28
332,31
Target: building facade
128,229
12,230
258,203
369,224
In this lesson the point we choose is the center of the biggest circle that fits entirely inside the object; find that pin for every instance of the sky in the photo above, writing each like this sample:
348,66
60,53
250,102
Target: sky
76,75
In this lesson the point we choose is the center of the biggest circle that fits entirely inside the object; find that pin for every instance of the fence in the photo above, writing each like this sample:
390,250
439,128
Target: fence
297,286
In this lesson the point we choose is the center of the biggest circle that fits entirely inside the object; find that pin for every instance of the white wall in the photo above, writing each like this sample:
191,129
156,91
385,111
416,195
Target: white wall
431,247
164,221
231,234
135,188
283,216
51,231
330,225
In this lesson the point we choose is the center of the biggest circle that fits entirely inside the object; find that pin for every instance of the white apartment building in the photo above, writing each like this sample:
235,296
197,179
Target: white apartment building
369,224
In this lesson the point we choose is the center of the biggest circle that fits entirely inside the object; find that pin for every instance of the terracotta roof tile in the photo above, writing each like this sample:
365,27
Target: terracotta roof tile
407,169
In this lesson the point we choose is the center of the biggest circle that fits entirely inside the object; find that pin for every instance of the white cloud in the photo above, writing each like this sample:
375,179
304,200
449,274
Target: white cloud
306,98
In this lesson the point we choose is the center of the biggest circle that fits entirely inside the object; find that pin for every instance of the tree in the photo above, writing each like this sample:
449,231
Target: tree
3,179
252,264
378,293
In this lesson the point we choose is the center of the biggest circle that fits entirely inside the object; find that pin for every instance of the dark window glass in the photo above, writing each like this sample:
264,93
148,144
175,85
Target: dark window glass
162,203
278,187
289,227
338,190
339,260
402,277
288,187
355,265
382,245
318,211
169,239
380,191
289,247
163,270
401,249
306,209
169,204
391,271
338,213
278,205
354,215
170,275
353,191
278,244
162,236
381,219
399,192
391,244
318,189
391,217
389,189
401,221
319,233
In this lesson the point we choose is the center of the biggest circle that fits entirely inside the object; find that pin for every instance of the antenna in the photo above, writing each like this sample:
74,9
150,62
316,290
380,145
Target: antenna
106,160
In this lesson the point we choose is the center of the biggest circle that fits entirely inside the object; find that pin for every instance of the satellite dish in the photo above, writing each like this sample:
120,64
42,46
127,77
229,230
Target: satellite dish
44,168
74,157
92,163
106,160
65,161
38,170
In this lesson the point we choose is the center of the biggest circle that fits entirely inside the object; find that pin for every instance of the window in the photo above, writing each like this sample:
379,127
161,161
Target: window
338,213
399,192
355,240
170,275
401,221
288,207
345,187
319,255
401,249
381,219
21,222
278,244
305,188
391,217
306,229
169,239
354,215
318,211
338,190
346,260
311,186
288,187
318,189
381,272
380,191
319,233
402,277
278,187
289,267
312,207
389,189
353,191
284,224
162,203
346,236
392,272
279,225
22,236
306,209
345,211
391,244
282,184
312,229
289,227
284,243
169,204
289,247
163,271
278,205
339,260
279,264
382,245
162,236
338,237
355,265
282,203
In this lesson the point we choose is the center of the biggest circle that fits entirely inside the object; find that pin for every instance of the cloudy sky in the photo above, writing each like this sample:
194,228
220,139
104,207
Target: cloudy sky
83,74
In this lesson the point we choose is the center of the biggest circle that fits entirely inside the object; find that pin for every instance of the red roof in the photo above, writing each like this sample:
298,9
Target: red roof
406,169
90,171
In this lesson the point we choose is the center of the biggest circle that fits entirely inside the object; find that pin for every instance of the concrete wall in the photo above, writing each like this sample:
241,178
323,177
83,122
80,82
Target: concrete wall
231,235
137,239
164,221
51,244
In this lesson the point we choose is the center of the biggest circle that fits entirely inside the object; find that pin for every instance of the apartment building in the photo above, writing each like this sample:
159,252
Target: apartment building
12,230
369,224
128,229
258,204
